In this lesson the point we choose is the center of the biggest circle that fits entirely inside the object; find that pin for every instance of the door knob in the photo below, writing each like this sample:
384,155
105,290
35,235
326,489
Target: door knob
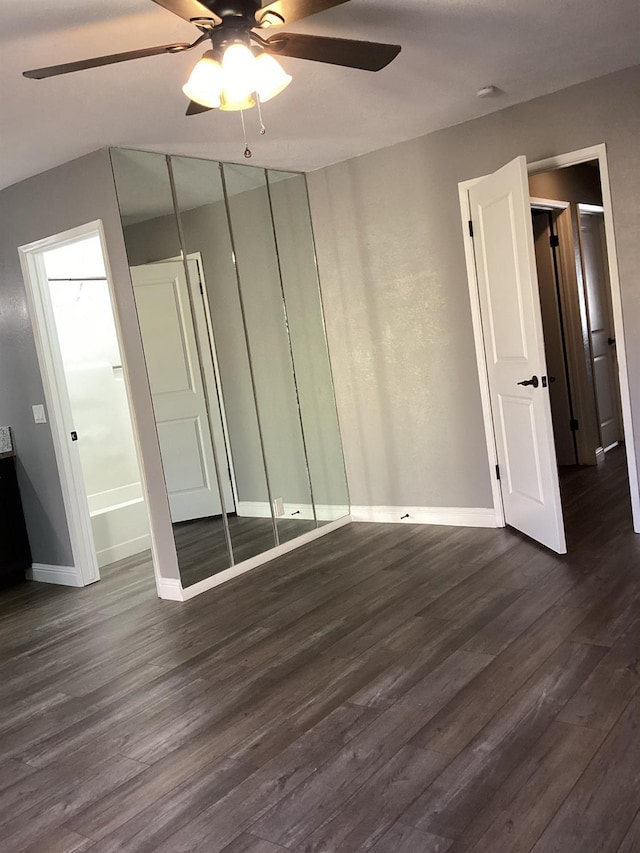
533,381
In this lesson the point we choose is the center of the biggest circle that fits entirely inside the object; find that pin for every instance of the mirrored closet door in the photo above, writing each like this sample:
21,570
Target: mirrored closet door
223,269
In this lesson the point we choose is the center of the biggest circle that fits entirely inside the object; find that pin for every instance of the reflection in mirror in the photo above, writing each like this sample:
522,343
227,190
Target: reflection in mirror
179,364
296,253
270,349
223,268
207,243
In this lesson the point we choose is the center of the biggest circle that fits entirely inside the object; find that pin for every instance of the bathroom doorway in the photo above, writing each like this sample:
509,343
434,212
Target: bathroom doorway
87,402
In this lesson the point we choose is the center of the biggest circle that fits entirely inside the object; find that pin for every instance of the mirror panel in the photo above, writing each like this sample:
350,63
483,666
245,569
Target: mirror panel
174,337
305,320
207,243
270,349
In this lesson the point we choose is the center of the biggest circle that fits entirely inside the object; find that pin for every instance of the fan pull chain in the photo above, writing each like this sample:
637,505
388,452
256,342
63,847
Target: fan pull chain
262,128
247,150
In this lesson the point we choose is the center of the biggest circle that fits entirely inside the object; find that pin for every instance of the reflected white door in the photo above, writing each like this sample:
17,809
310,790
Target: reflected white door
603,355
177,388
512,328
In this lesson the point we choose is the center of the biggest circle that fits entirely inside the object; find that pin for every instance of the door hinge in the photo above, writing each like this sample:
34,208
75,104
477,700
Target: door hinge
201,288
470,228
554,241
497,472
573,424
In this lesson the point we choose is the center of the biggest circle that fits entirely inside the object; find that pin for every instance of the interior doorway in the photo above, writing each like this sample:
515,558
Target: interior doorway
577,316
578,358
87,402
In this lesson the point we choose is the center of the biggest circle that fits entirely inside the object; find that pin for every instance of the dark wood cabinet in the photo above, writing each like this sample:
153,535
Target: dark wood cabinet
15,554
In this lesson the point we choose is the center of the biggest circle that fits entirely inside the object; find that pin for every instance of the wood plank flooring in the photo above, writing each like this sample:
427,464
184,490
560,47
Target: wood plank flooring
392,688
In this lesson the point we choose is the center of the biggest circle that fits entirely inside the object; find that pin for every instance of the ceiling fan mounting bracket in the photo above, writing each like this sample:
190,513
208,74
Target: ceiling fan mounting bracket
230,31
225,9
204,24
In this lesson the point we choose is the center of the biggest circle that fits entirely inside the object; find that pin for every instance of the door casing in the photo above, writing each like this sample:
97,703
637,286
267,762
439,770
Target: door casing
85,568
595,152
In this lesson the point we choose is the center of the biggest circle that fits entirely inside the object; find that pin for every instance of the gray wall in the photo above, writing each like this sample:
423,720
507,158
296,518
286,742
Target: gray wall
63,198
392,267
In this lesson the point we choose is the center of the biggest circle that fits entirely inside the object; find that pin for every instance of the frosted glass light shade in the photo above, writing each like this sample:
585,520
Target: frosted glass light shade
227,105
239,73
271,78
205,81
233,84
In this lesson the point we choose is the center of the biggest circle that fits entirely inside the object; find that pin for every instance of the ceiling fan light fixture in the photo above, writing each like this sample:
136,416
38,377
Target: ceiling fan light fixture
205,82
271,77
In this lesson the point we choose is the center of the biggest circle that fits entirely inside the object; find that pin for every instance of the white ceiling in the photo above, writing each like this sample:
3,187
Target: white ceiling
449,49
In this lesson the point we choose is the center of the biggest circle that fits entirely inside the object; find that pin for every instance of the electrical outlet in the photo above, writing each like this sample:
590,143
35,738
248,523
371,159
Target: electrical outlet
278,507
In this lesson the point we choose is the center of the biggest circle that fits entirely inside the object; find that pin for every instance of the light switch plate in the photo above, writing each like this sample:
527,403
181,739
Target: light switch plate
39,415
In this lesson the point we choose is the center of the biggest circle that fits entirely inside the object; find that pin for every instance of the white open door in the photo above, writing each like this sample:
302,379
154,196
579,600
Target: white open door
177,388
514,346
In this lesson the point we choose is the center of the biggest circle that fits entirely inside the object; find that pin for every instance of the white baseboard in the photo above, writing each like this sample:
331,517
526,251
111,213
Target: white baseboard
247,565
170,589
123,549
450,516
65,575
261,509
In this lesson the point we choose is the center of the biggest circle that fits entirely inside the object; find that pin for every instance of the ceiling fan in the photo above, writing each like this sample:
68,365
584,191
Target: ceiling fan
239,68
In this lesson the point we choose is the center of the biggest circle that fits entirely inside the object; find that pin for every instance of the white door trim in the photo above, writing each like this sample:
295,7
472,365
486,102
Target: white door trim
211,343
74,496
481,359
548,204
85,562
590,208
595,152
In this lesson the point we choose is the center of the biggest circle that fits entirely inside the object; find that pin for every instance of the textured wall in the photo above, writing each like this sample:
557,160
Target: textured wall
392,267
66,197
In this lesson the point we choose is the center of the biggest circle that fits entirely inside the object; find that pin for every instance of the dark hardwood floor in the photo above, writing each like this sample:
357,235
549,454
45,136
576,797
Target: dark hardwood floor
399,689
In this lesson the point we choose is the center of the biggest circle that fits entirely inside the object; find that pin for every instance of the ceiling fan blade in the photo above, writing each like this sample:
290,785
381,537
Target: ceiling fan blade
97,61
188,9
368,55
195,109
293,10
